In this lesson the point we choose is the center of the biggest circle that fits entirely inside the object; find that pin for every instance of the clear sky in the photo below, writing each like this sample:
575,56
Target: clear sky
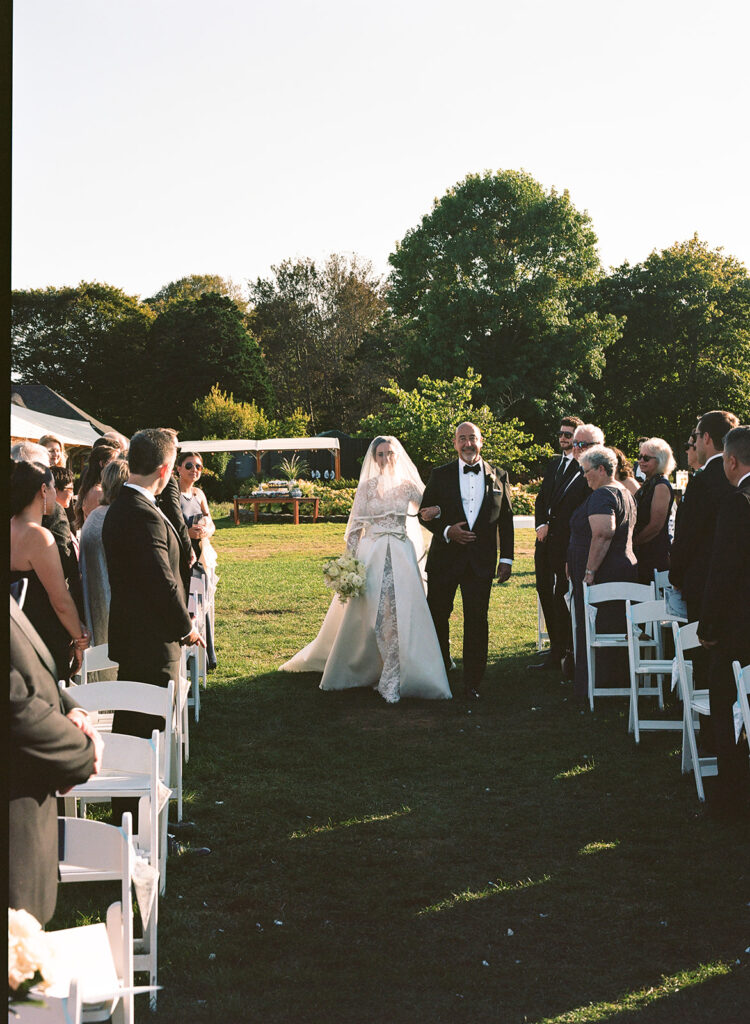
159,138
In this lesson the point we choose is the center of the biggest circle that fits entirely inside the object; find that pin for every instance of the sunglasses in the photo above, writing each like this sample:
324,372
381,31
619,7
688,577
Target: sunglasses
565,433
584,444
645,458
193,465
689,447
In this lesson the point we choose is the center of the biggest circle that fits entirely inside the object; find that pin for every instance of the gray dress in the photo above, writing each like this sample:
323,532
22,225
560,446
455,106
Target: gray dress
96,592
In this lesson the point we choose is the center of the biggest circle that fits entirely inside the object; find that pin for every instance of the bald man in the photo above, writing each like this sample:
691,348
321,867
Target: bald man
476,516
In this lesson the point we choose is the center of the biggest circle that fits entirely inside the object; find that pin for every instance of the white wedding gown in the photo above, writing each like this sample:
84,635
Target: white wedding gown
385,637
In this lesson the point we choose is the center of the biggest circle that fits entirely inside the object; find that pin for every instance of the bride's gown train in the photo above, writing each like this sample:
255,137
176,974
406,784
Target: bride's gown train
384,638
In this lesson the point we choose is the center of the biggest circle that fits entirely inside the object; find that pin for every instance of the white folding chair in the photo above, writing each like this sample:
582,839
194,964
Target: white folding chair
542,636
694,704
95,659
196,654
93,851
647,616
56,1009
594,595
661,582
742,679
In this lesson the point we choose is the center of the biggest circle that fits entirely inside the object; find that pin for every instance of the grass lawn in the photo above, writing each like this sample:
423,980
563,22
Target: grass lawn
514,861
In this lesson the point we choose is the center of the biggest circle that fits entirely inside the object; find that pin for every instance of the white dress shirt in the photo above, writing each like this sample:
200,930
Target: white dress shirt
472,496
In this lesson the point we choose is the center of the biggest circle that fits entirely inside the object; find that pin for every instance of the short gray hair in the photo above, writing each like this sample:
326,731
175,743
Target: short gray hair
114,475
661,451
737,443
29,451
598,455
596,432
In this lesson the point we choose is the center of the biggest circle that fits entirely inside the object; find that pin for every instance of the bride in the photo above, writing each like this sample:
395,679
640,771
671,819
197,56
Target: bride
385,637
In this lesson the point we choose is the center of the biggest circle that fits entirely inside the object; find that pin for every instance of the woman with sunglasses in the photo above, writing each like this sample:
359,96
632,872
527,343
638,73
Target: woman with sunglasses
200,525
691,454
654,501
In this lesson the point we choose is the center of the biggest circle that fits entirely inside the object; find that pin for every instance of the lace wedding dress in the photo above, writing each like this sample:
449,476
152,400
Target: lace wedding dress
384,638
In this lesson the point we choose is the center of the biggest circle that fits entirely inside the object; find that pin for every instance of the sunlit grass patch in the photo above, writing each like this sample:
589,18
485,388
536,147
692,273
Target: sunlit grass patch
491,889
596,1012
590,848
333,826
578,769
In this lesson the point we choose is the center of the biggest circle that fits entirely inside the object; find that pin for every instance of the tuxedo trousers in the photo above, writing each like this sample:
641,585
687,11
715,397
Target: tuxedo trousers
475,599
552,586
733,782
131,723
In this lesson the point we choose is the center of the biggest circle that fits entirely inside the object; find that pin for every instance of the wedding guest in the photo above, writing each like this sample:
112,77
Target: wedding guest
29,451
654,504
34,557
200,527
55,449
52,747
600,551
119,439
625,473
691,454
168,501
90,491
96,592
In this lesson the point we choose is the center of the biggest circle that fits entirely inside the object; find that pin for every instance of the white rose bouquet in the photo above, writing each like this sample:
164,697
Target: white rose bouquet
30,959
346,575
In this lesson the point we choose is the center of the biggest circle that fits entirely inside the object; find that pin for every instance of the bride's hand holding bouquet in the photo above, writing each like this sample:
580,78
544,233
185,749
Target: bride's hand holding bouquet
346,575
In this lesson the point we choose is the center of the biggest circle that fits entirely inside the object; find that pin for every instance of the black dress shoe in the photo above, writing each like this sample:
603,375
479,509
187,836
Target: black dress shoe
550,661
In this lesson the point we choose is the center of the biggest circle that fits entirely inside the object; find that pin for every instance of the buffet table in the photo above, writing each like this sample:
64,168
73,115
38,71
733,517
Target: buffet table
258,499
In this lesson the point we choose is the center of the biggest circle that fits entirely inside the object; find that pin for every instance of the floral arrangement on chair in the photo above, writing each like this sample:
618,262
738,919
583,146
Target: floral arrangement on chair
31,962
346,576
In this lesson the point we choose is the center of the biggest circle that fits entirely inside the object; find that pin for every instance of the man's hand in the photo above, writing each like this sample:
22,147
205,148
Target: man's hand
503,572
432,512
541,533
456,534
195,638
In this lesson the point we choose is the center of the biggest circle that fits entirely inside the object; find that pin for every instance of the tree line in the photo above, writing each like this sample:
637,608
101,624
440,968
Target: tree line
499,286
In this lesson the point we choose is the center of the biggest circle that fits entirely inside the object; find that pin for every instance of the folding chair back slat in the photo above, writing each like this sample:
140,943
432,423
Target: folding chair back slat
694,704
601,593
638,616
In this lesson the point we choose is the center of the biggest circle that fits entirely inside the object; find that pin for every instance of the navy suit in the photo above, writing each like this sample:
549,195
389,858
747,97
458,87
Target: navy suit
472,567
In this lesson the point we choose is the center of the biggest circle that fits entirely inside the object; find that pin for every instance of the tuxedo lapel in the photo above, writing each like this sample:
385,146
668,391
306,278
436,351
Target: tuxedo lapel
571,472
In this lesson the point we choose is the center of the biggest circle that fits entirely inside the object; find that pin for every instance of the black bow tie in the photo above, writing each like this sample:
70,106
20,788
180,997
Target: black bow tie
472,469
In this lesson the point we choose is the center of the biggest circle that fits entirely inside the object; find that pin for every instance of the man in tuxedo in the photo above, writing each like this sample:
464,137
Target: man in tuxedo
563,489
724,628
475,510
52,747
168,500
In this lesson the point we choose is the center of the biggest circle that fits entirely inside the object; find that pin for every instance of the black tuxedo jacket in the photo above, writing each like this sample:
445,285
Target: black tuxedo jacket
494,523
169,502
725,609
47,753
148,615
57,523
555,504
694,536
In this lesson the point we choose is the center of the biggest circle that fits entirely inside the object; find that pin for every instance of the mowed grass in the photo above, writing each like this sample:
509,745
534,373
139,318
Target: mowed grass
512,861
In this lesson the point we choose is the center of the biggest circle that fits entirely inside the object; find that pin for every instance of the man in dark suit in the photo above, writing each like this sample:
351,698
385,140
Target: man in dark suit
694,536
52,747
475,510
724,627
563,489
169,503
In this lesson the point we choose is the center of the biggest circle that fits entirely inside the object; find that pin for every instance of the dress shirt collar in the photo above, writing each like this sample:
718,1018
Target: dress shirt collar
717,456
741,481
461,465
142,490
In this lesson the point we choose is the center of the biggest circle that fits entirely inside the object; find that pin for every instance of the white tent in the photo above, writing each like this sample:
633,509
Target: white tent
27,425
271,444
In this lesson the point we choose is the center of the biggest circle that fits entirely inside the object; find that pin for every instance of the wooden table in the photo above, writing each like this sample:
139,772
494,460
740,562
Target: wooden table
255,501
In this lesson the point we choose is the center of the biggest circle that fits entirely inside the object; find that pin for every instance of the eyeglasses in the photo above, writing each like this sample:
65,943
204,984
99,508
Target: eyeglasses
193,465
584,444
645,458
565,433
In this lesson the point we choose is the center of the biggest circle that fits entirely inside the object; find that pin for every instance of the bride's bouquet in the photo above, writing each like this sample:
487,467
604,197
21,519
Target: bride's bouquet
346,575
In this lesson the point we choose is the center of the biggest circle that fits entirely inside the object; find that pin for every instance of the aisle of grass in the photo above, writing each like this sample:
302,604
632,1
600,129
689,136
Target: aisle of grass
515,861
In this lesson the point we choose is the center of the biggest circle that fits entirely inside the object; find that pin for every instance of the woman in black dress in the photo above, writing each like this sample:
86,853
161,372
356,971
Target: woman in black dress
600,551
654,500
35,558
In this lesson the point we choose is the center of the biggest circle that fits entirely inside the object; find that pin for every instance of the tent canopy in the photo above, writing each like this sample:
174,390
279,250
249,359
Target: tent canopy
272,444
26,425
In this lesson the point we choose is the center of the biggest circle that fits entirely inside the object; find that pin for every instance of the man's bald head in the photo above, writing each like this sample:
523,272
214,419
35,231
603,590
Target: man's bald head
468,442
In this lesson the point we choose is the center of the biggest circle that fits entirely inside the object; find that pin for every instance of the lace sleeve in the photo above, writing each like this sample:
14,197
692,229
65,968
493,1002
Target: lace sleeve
357,520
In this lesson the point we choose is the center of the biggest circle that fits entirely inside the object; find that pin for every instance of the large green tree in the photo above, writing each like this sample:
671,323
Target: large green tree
496,277
326,336
425,420
192,287
685,346
90,343
196,343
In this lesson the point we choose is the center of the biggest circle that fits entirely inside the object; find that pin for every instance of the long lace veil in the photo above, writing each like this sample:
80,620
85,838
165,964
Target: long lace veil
389,483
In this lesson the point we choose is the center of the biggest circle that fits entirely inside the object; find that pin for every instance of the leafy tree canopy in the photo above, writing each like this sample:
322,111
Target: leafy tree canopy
685,346
326,338
90,343
425,421
494,277
196,343
192,287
